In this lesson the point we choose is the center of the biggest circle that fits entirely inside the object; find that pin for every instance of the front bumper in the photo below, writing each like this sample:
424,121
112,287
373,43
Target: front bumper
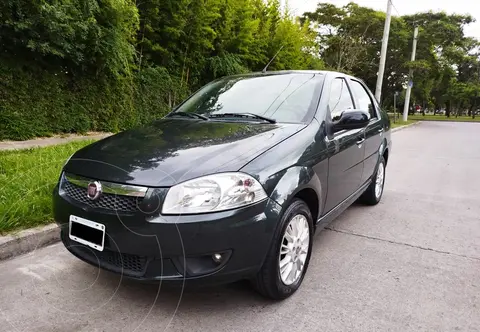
175,248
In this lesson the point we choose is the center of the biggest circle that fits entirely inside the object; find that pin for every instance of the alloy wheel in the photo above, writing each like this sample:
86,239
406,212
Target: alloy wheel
294,250
379,180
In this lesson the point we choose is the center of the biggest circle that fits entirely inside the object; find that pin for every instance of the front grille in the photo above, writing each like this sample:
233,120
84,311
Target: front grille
105,201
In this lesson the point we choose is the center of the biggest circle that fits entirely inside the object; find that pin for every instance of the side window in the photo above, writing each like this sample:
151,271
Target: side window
364,100
340,98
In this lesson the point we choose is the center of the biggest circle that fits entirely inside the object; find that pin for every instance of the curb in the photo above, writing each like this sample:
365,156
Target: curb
405,127
28,240
436,120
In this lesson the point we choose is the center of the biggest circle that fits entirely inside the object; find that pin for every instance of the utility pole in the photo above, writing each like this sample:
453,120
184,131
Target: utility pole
383,52
476,93
410,76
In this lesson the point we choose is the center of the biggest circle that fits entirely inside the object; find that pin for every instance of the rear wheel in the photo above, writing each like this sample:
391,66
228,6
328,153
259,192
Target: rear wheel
374,193
287,261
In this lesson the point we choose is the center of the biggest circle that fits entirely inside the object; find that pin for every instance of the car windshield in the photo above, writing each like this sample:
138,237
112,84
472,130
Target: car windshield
282,97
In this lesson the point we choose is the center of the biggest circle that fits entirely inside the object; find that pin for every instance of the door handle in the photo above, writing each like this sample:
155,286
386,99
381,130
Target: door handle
380,131
360,141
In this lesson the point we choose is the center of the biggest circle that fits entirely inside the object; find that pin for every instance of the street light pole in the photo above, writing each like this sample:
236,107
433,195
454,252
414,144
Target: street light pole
410,76
383,52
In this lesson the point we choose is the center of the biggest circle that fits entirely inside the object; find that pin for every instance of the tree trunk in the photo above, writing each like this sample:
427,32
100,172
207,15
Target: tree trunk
474,110
141,47
448,108
339,65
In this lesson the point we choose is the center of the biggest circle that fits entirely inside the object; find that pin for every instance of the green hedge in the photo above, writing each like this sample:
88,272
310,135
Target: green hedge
42,103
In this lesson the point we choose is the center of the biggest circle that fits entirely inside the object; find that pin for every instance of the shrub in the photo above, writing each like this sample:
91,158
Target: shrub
40,103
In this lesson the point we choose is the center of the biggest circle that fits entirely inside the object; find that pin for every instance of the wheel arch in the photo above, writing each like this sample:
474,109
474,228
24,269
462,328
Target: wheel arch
385,155
300,182
384,151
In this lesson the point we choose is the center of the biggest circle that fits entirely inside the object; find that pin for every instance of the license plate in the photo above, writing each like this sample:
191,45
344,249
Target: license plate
87,232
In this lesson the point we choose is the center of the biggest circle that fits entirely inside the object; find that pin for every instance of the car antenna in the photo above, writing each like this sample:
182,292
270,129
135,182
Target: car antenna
268,64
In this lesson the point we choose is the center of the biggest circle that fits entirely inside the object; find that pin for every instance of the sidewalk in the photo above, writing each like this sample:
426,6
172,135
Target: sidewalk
41,142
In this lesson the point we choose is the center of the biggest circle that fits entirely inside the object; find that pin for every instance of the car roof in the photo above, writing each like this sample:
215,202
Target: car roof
286,72
325,73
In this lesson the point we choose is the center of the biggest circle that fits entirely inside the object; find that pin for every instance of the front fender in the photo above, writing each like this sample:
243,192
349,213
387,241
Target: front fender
294,180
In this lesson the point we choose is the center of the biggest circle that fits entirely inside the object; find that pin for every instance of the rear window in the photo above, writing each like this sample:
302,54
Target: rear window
285,98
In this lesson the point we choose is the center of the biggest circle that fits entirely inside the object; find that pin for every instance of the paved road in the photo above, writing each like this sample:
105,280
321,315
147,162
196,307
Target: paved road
410,264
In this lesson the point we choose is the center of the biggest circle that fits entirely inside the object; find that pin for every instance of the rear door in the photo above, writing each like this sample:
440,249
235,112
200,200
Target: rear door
364,100
345,166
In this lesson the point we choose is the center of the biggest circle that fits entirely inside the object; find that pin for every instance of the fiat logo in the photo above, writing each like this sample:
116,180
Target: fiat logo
94,189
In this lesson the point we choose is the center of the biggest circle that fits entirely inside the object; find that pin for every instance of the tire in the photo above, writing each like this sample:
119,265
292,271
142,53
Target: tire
269,281
371,196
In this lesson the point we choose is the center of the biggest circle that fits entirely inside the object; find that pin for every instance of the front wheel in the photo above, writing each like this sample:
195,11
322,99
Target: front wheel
374,192
287,261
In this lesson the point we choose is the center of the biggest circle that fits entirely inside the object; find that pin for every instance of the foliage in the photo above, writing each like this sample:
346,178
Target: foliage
74,66
447,66
70,35
223,65
41,103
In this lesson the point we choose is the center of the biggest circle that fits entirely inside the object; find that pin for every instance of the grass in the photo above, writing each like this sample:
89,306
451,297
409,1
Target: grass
430,117
27,179
400,123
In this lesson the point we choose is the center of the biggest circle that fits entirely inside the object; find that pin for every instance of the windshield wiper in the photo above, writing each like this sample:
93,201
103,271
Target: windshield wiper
249,115
189,114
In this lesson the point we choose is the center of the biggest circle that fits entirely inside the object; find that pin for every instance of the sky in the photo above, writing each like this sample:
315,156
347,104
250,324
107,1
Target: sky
405,7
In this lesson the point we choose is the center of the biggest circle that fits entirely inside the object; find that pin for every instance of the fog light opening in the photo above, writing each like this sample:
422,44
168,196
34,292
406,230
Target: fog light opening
217,258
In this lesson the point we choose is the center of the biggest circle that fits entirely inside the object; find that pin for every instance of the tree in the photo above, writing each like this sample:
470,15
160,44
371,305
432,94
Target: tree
350,40
112,64
162,25
75,36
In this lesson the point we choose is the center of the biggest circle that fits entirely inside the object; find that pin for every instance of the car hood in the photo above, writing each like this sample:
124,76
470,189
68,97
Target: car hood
170,151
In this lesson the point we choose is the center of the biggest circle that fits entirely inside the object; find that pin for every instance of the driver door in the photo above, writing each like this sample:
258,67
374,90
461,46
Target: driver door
347,148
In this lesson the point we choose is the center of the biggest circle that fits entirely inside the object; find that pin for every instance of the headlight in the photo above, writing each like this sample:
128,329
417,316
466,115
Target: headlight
213,193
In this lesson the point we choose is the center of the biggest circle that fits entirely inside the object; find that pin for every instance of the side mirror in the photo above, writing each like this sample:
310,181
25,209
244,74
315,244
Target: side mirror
352,119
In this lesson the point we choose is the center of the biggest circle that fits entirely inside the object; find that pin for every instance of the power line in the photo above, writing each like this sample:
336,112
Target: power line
395,8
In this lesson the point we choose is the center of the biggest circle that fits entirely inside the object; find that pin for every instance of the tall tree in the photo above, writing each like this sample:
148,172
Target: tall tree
74,36
350,40
162,25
